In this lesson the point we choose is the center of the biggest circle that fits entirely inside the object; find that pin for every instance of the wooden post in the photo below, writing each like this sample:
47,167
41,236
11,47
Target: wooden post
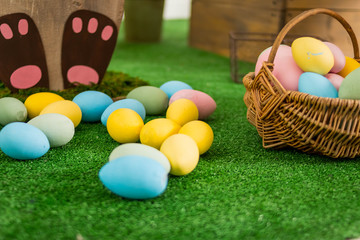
143,20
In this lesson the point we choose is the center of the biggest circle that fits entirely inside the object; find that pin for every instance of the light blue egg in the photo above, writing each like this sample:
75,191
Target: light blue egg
317,85
132,104
23,141
134,177
92,104
174,86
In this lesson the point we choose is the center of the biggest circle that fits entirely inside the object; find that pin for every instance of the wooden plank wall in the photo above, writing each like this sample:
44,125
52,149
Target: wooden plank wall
212,20
325,26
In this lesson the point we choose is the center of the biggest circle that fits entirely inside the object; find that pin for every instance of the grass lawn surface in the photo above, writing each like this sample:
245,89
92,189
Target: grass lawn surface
238,190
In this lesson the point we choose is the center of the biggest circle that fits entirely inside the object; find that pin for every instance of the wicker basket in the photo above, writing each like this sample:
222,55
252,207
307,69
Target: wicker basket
326,126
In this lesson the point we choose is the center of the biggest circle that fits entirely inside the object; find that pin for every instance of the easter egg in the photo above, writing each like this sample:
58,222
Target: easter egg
350,86
134,177
154,99
182,153
67,108
157,130
312,55
286,71
204,103
350,65
200,132
182,111
124,103
339,57
58,128
124,125
12,110
335,79
140,150
35,103
317,85
23,141
174,86
92,104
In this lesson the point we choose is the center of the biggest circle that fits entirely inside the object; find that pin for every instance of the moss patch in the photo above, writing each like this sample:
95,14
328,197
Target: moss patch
114,84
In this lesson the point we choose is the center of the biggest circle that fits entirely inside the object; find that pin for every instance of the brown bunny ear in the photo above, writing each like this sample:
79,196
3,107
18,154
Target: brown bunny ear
88,44
22,58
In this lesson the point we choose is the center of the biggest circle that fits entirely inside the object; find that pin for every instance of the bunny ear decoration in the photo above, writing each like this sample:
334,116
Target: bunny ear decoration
88,44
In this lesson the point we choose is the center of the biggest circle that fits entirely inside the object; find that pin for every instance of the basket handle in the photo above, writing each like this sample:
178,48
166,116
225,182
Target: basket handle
305,15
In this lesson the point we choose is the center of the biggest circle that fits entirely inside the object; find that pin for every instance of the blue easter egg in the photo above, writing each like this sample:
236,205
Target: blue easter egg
317,85
23,141
134,177
132,104
92,104
174,86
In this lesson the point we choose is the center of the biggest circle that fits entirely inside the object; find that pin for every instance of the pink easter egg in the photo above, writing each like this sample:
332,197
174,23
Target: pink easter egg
339,57
285,68
335,79
263,57
205,104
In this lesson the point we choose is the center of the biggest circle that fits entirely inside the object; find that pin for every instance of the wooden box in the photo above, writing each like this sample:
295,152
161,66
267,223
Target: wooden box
213,20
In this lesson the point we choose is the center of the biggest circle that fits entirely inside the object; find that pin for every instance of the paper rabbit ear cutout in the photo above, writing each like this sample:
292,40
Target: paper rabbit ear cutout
22,58
88,44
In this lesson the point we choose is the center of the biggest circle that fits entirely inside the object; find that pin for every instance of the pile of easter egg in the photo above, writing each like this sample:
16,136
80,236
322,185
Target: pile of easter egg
315,67
171,142
52,124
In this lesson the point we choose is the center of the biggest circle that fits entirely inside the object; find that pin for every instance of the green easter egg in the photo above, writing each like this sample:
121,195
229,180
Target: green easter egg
350,86
12,110
154,99
58,128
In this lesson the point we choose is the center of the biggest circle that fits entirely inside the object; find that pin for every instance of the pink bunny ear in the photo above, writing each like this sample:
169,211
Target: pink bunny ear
89,41
22,53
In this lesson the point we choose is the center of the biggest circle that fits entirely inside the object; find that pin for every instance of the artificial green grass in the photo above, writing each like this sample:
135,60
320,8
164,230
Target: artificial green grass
238,190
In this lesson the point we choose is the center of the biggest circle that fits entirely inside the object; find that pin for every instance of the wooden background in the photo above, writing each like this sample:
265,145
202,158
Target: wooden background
212,20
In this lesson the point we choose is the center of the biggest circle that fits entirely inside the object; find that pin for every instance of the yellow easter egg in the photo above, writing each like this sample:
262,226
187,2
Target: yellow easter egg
350,65
65,107
201,132
182,111
124,125
312,55
182,153
36,102
157,130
